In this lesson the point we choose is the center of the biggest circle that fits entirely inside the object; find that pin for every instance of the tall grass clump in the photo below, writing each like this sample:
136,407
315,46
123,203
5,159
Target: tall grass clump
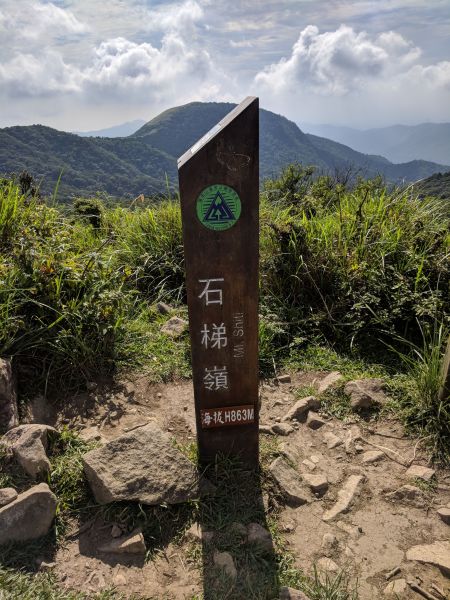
150,249
62,300
353,265
427,406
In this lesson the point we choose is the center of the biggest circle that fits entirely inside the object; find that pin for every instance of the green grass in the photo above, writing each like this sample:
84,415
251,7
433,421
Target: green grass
425,409
15,585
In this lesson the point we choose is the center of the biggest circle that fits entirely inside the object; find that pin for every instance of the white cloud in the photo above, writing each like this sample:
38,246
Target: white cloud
337,62
435,76
181,17
122,67
28,76
37,21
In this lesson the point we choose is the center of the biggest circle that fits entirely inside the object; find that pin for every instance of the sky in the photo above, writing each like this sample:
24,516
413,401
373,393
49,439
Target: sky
90,64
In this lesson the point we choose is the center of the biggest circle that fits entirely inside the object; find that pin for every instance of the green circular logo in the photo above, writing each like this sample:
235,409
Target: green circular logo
218,207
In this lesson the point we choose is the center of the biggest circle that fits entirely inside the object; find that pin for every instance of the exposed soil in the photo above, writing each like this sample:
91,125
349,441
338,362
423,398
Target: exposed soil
371,538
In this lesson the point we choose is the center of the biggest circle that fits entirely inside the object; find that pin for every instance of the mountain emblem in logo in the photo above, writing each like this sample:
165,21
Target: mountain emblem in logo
218,207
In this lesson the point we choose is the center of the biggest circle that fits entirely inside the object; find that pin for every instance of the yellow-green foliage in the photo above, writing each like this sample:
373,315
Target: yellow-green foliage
341,265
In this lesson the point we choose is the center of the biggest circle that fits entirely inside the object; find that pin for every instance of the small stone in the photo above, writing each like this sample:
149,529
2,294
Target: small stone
225,561
398,586
314,421
163,308
309,464
318,484
346,495
300,409
282,428
315,459
278,403
28,444
444,514
358,448
409,494
365,393
419,472
284,379
289,483
258,535
327,565
288,527
29,516
129,544
44,566
328,381
372,456
329,542
331,440
116,531
437,554
174,327
287,593
266,429
7,495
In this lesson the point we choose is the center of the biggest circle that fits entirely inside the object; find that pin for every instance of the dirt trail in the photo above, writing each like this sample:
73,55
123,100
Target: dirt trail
367,541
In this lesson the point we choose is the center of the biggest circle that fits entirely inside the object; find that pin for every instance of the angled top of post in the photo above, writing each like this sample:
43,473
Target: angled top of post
237,110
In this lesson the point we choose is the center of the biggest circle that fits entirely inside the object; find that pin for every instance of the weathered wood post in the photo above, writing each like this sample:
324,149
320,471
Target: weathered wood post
219,189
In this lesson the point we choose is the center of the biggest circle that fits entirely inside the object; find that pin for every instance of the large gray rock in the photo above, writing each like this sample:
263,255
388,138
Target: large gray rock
29,516
290,483
437,554
143,466
9,416
28,444
365,393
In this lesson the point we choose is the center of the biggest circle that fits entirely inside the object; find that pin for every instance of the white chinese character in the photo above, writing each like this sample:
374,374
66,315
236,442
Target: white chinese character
217,338
206,418
216,378
218,417
212,296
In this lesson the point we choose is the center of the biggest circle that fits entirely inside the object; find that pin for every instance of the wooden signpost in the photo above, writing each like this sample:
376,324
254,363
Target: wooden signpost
219,189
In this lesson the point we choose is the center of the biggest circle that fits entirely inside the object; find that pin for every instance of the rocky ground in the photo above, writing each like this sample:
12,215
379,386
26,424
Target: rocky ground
354,495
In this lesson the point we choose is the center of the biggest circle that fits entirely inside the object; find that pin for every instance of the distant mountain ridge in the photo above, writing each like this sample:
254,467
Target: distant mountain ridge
398,143
121,130
143,161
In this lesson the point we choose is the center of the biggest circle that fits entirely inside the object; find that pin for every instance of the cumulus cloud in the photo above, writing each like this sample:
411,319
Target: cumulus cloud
25,75
37,21
120,69
337,62
180,17
124,67
436,76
